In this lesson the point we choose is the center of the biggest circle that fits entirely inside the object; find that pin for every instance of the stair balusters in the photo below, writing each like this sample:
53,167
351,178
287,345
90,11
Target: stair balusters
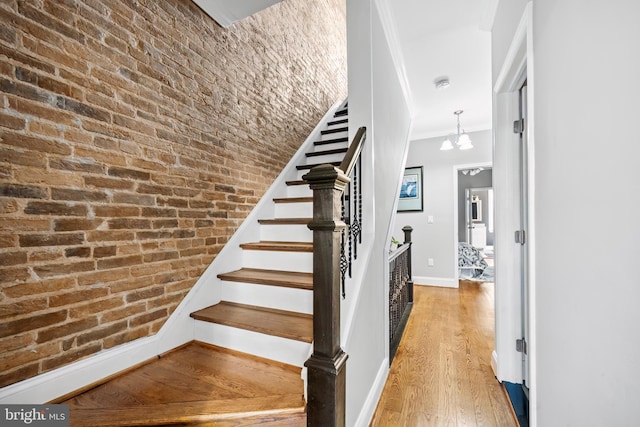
400,291
326,368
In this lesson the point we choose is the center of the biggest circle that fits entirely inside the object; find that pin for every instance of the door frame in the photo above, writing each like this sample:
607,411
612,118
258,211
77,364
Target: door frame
456,234
517,67
467,214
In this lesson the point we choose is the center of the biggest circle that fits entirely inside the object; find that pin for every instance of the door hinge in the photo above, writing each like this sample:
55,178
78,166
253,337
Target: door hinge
520,237
521,346
518,126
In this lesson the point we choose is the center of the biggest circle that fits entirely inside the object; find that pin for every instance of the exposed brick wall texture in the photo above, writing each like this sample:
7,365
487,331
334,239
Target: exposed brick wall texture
135,137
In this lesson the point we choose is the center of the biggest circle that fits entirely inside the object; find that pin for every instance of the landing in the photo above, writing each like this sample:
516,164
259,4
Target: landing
196,384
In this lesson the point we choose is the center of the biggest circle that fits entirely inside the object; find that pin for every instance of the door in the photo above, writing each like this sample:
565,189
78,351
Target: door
521,235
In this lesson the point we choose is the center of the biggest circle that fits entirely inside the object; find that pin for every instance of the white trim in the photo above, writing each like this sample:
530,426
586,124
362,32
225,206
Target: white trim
494,364
370,403
490,8
518,63
441,282
532,344
395,48
67,379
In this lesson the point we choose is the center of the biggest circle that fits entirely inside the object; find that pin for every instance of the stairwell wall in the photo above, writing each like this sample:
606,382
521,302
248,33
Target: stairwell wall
134,139
377,100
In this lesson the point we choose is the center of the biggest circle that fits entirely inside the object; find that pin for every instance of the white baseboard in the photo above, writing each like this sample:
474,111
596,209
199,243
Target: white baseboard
494,364
59,382
443,282
371,402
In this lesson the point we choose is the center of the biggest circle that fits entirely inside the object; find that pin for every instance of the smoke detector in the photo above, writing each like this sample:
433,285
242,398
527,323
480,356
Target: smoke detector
442,82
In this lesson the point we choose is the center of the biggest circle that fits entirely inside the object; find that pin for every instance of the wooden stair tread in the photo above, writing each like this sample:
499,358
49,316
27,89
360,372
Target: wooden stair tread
289,279
285,221
331,141
297,182
209,383
336,130
342,112
285,324
311,166
190,412
337,122
293,199
269,245
327,152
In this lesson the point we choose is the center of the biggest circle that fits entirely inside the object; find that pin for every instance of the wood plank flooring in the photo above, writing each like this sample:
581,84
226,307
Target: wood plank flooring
198,384
441,374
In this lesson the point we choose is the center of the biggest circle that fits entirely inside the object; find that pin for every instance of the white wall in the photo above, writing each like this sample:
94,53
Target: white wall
586,104
376,99
585,289
507,17
437,240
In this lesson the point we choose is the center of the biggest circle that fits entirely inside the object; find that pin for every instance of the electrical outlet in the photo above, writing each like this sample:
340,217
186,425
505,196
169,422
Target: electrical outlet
430,262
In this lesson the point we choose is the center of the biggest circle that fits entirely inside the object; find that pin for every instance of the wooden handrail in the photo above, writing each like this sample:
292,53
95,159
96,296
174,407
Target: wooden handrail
355,148
395,254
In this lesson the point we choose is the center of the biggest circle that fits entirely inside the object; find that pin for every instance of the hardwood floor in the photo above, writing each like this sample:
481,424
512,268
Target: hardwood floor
198,384
441,374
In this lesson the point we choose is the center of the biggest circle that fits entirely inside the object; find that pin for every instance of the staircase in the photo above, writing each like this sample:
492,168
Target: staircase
264,316
266,306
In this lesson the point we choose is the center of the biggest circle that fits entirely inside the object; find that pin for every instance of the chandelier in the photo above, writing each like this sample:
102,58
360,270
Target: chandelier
461,140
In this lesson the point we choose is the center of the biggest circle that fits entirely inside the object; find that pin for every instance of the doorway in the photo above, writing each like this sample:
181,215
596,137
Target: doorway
474,223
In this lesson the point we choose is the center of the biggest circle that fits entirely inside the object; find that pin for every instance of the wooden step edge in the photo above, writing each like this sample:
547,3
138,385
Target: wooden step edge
195,412
297,182
278,246
331,141
342,112
337,122
285,279
293,199
311,166
285,221
336,130
253,357
327,152
265,313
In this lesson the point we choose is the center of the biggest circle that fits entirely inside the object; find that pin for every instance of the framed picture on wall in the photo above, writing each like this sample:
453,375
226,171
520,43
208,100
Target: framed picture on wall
411,190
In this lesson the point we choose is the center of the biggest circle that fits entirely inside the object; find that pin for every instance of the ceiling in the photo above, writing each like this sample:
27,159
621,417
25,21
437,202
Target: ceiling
226,12
446,38
435,38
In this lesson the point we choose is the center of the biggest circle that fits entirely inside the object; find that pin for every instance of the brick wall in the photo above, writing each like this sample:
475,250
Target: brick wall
135,136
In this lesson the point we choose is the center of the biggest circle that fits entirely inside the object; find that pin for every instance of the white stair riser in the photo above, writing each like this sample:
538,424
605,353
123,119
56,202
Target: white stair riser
294,210
338,119
286,233
344,134
325,158
281,298
299,191
275,348
286,261
331,146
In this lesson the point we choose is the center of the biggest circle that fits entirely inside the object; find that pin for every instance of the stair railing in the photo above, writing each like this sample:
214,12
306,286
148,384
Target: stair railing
326,368
400,291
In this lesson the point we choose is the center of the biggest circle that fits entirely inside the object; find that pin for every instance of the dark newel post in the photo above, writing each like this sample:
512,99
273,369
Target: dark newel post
326,373
407,229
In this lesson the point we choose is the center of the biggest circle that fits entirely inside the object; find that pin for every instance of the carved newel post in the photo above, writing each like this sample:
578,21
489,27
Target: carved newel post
326,368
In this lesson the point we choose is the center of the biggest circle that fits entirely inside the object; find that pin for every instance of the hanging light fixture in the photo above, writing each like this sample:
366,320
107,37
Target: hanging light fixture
462,140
